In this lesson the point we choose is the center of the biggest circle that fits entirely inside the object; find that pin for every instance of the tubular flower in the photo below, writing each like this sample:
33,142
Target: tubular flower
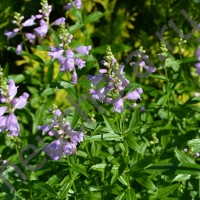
66,140
114,81
67,59
9,122
41,21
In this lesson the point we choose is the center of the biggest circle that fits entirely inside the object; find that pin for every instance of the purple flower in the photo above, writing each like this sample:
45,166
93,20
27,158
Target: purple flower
45,128
134,95
3,110
31,37
54,149
56,52
9,122
12,125
74,77
84,50
29,22
11,34
58,22
142,64
118,105
66,138
80,63
12,89
21,101
103,71
197,65
95,79
75,136
68,6
69,148
42,30
78,4
197,53
3,120
19,48
99,94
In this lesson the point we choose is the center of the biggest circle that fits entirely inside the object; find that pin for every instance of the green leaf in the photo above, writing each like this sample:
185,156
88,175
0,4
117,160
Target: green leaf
48,91
160,77
195,99
75,27
194,142
37,58
146,182
44,188
38,117
17,78
119,172
50,73
193,107
158,169
110,125
77,13
183,158
174,64
42,48
64,191
79,168
130,194
93,17
75,118
133,125
55,37
141,164
133,143
120,196
56,179
105,137
162,100
166,191
181,177
66,85
103,167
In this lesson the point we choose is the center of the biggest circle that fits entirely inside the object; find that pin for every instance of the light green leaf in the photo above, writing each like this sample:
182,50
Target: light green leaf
183,158
93,17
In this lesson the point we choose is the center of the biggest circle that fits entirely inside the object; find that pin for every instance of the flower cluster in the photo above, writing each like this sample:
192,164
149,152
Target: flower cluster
8,120
66,138
40,28
66,57
197,65
77,4
114,83
141,69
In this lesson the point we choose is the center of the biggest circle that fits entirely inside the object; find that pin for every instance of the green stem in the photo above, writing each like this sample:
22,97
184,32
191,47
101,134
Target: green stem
25,171
26,48
71,177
